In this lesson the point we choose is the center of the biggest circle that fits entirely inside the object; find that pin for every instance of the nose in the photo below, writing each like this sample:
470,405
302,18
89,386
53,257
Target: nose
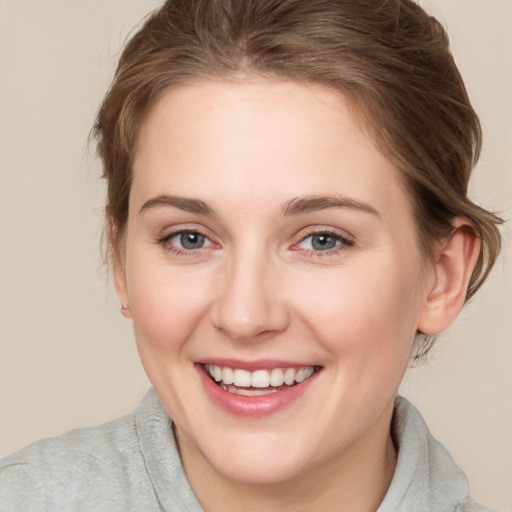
250,305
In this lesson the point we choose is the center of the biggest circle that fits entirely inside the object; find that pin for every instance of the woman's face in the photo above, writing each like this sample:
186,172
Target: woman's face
268,242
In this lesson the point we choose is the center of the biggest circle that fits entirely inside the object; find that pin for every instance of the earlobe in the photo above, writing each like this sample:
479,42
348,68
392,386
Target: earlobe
453,268
118,271
120,284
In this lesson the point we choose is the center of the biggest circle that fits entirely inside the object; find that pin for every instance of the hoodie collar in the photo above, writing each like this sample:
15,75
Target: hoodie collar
426,478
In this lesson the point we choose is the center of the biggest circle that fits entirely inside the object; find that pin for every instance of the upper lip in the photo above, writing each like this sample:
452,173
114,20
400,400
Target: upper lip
253,365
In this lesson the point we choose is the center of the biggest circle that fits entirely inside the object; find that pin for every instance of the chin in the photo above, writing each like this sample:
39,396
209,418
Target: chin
261,470
261,458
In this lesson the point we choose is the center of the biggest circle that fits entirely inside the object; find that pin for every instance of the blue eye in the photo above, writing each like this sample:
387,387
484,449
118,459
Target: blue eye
323,241
187,240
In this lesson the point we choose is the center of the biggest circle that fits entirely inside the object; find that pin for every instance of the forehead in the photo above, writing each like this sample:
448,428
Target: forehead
260,141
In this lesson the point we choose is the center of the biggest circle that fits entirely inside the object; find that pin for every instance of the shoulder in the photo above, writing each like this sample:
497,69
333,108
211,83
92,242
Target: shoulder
85,465
130,464
473,506
426,477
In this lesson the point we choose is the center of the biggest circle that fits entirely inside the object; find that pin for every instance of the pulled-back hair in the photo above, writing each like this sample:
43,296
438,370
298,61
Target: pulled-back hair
389,57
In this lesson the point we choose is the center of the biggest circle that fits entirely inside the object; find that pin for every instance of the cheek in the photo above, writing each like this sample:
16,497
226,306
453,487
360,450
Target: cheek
166,303
365,310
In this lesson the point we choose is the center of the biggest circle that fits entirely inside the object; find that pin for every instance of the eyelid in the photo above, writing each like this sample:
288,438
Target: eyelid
164,240
189,232
346,240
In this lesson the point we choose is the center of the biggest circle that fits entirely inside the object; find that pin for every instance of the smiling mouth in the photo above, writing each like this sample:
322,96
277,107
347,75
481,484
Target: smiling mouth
259,382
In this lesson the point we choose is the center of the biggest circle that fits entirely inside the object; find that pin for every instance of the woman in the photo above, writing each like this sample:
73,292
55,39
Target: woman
288,227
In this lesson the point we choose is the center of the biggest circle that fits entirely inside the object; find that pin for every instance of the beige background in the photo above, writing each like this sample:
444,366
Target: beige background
67,356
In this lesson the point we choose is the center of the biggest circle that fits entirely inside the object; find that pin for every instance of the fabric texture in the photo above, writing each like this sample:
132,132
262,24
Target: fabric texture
132,464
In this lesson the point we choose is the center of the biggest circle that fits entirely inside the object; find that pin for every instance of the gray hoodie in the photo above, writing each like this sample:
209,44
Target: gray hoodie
132,464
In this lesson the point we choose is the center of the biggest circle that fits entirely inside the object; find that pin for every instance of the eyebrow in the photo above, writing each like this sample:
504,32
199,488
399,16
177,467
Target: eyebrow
308,204
295,206
186,204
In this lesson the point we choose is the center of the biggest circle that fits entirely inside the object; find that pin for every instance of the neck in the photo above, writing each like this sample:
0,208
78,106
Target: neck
356,479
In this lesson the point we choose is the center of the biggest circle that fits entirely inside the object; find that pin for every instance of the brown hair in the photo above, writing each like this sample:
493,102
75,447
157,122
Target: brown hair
388,56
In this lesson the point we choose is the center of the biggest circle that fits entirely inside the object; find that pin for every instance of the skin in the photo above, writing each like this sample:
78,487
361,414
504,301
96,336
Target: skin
258,289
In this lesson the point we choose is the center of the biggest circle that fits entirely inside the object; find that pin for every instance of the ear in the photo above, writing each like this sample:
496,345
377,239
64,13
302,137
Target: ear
454,265
118,268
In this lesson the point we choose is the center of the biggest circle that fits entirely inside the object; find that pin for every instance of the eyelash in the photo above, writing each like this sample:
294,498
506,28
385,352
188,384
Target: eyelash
164,241
343,243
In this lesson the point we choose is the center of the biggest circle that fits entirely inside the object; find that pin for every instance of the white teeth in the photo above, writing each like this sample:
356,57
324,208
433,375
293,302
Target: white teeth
289,376
303,374
227,375
242,378
260,379
217,373
276,377
299,376
236,378
249,392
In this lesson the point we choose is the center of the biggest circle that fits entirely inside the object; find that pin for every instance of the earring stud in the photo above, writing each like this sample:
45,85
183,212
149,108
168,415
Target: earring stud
124,306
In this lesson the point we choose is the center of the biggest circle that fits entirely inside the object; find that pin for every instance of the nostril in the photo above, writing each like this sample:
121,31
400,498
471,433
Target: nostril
249,306
252,324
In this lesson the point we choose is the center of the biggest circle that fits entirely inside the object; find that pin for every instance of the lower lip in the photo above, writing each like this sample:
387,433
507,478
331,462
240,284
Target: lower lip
252,406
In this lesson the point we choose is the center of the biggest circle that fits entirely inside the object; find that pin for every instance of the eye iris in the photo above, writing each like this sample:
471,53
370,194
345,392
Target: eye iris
190,240
323,242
